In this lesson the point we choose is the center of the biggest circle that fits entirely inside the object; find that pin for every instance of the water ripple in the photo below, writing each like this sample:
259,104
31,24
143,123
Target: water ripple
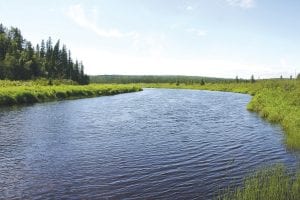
155,144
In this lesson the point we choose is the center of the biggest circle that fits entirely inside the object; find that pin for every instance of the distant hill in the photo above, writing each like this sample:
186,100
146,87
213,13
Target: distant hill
155,79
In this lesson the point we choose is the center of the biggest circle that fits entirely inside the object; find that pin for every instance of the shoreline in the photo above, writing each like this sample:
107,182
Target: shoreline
277,101
24,95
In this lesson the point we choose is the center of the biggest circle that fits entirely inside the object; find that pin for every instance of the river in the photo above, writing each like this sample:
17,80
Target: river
154,144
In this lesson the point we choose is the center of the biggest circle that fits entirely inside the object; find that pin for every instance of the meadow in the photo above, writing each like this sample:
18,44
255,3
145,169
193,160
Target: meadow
28,92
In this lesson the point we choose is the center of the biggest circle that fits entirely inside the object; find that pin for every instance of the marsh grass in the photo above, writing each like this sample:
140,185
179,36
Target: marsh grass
17,92
273,183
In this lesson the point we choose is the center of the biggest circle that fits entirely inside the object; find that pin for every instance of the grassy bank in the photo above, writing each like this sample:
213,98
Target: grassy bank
276,100
16,92
267,184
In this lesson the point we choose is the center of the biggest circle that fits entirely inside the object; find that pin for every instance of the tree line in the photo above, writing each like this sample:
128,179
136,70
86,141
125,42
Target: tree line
20,60
124,79
189,80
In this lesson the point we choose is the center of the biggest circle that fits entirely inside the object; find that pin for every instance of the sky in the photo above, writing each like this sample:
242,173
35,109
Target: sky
216,38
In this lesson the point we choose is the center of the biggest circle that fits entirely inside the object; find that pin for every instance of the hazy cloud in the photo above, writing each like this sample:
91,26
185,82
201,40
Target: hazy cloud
79,16
198,32
189,8
241,3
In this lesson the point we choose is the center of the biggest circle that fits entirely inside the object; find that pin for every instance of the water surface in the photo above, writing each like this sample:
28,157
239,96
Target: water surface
155,144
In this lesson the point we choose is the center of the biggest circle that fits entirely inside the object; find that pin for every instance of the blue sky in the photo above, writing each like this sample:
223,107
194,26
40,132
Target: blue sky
222,38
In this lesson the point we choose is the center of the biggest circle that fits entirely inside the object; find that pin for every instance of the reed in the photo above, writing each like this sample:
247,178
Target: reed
273,183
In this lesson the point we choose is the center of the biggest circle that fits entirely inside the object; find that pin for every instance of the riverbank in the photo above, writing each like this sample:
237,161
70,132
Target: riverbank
274,183
17,92
279,102
275,100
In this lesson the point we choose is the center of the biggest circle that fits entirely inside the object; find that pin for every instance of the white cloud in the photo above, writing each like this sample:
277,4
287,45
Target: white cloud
79,16
241,3
198,32
189,8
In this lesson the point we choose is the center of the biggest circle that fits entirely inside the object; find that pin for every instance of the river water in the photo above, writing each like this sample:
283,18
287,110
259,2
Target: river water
154,144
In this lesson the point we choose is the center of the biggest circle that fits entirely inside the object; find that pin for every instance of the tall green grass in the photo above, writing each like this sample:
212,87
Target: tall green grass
274,183
16,92
276,100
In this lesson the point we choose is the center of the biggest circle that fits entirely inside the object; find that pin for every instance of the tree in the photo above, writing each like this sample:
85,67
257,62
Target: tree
49,61
237,79
69,66
298,77
42,50
75,73
63,60
202,82
252,79
19,60
2,29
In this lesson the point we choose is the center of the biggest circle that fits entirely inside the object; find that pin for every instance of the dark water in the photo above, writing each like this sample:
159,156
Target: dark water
155,144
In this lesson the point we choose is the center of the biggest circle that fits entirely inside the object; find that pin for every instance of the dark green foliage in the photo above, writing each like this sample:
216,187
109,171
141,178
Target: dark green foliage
202,82
19,60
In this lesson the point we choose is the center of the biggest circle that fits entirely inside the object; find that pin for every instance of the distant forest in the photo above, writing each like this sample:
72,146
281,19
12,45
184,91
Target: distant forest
170,79
158,79
20,60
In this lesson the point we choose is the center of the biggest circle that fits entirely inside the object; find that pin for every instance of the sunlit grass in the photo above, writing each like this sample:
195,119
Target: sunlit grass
17,92
274,183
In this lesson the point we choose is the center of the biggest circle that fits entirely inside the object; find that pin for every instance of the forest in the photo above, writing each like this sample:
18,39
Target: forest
20,60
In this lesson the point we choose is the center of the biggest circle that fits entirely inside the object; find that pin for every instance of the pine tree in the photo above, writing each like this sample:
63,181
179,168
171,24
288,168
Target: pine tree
42,50
19,60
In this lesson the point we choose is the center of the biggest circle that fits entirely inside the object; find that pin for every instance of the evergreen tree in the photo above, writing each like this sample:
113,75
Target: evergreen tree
42,50
69,66
202,82
19,60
